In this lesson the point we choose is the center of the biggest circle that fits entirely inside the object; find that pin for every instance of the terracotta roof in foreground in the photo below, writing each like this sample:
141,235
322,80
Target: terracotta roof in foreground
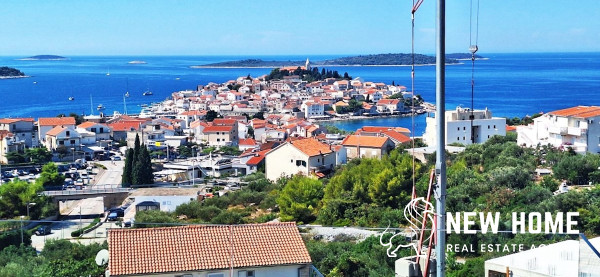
195,248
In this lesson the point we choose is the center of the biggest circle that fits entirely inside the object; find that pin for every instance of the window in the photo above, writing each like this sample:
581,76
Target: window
218,140
68,133
457,138
101,130
464,128
215,275
62,142
464,138
488,126
246,273
72,142
494,126
94,130
457,128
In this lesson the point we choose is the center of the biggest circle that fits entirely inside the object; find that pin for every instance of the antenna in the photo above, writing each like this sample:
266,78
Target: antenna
102,257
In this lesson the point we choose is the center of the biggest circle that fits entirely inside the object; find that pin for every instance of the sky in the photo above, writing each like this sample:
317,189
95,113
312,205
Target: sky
268,27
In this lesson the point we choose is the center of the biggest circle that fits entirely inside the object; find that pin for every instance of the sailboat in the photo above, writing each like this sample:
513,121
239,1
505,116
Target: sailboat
71,98
108,73
127,94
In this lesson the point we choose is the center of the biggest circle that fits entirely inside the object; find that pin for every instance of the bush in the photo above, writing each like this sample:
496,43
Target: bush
83,230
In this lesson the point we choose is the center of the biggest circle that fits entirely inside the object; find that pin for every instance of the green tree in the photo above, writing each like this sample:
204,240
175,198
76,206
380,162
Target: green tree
62,151
15,157
259,115
154,218
577,168
38,155
299,199
250,132
126,179
184,151
211,115
78,118
15,195
50,176
146,162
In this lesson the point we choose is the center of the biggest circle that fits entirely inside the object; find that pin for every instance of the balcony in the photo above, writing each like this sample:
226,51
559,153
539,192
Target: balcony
557,130
575,131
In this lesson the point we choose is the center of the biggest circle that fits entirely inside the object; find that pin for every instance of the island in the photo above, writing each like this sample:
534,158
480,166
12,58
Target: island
44,58
362,60
11,73
463,56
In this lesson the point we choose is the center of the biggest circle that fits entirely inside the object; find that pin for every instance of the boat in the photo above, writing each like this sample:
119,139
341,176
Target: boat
127,94
71,98
100,107
137,62
146,93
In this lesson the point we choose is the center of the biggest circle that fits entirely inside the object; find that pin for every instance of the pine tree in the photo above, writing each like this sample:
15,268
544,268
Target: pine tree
127,169
147,176
136,148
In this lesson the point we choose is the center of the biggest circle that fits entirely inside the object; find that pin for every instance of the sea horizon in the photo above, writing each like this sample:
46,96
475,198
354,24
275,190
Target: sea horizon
504,83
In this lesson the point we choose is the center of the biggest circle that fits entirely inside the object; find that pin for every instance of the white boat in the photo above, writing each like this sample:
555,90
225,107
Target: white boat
100,107
127,94
146,93
71,98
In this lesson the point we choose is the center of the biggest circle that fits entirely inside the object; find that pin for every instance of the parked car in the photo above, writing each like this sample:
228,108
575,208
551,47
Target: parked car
119,211
116,158
43,230
112,216
79,182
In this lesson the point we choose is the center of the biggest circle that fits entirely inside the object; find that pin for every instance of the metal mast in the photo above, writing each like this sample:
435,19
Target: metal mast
440,165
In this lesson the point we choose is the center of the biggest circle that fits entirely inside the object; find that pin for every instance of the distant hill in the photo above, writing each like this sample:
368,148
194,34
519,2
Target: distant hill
9,72
253,63
366,60
44,57
462,56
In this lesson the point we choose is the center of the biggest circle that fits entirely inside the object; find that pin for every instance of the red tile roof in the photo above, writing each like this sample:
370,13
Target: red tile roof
248,141
579,111
401,138
311,147
511,128
55,131
388,102
221,121
212,129
379,129
125,126
55,121
193,248
365,141
13,120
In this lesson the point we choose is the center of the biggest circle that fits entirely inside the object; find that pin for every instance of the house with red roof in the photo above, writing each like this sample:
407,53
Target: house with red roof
392,106
62,136
269,250
46,124
247,143
120,129
367,146
575,127
220,135
23,128
308,157
10,143
94,133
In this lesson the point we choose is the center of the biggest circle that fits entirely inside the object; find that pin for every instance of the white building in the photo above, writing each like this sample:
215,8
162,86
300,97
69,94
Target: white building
565,258
304,156
460,127
576,127
313,109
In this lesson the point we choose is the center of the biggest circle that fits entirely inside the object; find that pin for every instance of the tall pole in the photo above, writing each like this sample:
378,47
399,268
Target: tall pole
440,164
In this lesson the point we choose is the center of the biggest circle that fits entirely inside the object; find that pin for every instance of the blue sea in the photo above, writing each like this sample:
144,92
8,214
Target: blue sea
508,84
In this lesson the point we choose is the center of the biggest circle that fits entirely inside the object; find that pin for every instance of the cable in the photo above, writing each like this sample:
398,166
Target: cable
473,48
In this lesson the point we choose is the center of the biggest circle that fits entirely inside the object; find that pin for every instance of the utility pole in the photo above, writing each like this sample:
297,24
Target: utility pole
440,164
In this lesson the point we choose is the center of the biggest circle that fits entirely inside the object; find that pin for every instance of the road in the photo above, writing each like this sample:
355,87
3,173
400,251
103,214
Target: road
111,176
